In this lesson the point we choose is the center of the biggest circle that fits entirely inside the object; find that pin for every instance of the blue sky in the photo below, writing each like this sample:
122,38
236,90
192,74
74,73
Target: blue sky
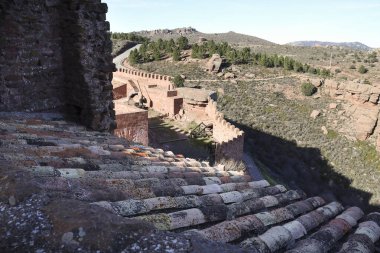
273,20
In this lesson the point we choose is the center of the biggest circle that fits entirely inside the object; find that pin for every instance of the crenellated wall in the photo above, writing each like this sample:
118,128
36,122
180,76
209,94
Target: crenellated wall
162,96
229,139
151,78
159,91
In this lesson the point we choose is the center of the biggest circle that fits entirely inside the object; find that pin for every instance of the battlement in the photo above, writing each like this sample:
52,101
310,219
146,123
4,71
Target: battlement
229,139
147,77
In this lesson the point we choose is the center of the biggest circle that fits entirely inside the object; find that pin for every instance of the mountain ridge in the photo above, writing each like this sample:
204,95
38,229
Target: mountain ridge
315,43
194,35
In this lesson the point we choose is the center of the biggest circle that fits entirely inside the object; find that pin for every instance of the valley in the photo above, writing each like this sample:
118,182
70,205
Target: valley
334,150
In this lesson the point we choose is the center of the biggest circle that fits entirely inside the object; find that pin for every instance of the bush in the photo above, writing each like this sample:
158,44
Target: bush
366,81
134,57
352,67
362,69
178,81
308,89
176,54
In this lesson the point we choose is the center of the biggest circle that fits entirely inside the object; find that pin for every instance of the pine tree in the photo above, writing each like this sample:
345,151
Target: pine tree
176,54
195,51
134,57
182,43
156,54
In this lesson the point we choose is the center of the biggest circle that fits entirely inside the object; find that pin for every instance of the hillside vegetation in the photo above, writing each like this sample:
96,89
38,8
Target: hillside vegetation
264,97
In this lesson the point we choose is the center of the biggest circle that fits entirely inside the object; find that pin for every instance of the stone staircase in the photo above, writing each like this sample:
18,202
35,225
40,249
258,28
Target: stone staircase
189,198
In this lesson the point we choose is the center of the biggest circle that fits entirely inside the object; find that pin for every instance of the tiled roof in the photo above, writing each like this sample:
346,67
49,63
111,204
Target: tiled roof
182,195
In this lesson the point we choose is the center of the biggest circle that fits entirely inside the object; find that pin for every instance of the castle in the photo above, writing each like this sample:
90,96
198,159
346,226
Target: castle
67,184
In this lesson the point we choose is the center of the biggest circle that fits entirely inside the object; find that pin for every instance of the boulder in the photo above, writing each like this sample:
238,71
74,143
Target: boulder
229,75
333,106
374,98
324,130
314,114
250,75
365,120
214,64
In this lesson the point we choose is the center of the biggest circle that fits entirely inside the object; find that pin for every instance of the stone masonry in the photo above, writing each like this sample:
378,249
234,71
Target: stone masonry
132,123
229,139
159,91
163,97
64,188
55,55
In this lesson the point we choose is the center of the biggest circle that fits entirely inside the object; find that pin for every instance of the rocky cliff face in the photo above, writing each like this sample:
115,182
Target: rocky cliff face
180,31
361,113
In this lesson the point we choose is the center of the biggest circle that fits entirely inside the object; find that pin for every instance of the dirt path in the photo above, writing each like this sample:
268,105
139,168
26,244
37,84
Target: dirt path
118,60
240,79
252,168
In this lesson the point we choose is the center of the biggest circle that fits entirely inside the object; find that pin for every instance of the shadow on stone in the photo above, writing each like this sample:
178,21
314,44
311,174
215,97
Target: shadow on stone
303,168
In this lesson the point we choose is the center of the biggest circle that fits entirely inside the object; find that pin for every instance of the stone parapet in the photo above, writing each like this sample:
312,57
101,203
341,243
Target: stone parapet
158,90
161,80
229,139
132,123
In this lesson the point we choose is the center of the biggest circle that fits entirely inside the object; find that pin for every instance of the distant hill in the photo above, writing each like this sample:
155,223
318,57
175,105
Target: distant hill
353,45
193,35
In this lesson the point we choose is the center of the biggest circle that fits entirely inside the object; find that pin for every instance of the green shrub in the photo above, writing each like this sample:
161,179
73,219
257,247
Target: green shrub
134,57
362,69
308,89
176,54
352,67
366,81
178,81
331,134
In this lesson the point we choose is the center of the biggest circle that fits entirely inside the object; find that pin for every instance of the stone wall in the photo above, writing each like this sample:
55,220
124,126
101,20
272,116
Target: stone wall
120,91
159,91
145,77
132,123
55,55
229,139
163,97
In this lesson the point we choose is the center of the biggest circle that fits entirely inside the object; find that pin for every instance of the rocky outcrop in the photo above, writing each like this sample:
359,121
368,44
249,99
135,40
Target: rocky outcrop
213,65
365,120
181,31
363,108
357,92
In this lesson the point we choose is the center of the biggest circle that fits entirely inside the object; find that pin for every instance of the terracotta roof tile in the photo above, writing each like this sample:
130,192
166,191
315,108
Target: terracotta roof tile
181,194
